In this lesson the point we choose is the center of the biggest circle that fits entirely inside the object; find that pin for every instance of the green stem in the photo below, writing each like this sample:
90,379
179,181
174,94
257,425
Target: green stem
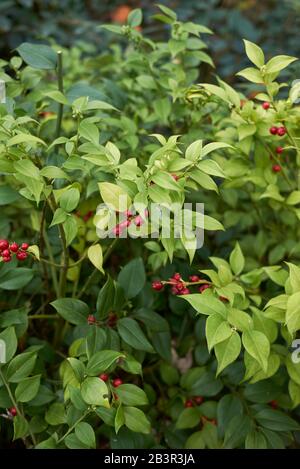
15,404
52,269
43,316
61,89
73,426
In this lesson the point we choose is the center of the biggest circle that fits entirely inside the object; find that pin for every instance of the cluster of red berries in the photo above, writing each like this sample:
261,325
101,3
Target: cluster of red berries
197,400
115,382
85,217
8,250
180,286
111,321
280,131
130,218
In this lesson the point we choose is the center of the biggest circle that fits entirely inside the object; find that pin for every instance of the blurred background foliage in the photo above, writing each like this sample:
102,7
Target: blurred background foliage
273,24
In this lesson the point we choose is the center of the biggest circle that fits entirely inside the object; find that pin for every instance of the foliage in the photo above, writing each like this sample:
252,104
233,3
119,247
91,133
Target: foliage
95,356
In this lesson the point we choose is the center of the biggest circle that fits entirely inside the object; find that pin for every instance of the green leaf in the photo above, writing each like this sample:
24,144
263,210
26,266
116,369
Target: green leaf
72,442
279,63
28,388
254,53
129,394
89,131
237,260
38,55
276,420
20,427
229,406
21,366
195,441
167,11
119,418
255,440
132,277
166,181
216,330
78,368
17,278
85,434
236,431
23,138
210,147
8,336
70,229
258,346
133,335
72,310
251,74
193,151
69,199
188,418
55,414
294,277
228,351
136,420
101,361
95,255
105,298
57,96
94,391
135,18
59,216
205,304
293,313
113,196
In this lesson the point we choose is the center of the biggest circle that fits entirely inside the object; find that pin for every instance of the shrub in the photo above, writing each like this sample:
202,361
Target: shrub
142,342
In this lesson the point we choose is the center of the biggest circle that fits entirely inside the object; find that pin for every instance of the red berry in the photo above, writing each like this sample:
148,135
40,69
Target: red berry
281,131
6,259
179,286
14,247
13,411
3,244
273,130
198,400
276,168
91,319
279,150
5,253
274,404
24,246
203,287
117,382
266,105
157,285
185,291
175,177
194,278
177,277
21,256
104,377
174,290
188,403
